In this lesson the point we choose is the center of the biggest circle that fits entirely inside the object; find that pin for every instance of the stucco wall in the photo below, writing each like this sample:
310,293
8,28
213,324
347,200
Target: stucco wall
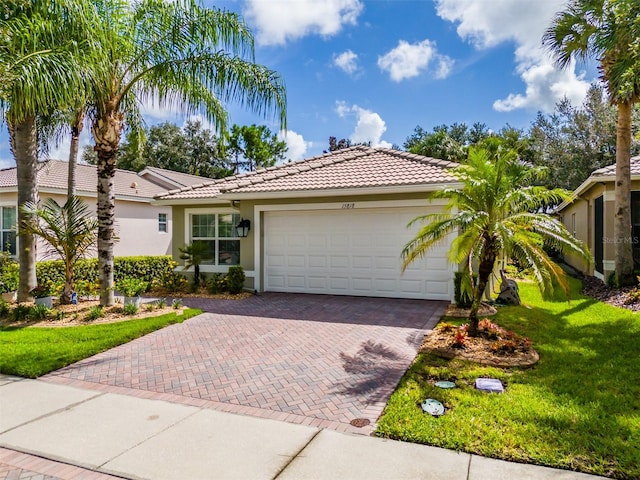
136,224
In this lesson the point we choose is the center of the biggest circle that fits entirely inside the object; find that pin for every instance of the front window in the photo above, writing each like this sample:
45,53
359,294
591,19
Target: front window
162,222
8,230
217,232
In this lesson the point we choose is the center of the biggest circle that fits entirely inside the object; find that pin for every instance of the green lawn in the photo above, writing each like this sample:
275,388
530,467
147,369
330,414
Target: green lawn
578,408
31,352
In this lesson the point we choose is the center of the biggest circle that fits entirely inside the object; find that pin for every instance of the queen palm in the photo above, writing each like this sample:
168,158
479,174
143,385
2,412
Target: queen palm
608,31
68,230
496,213
39,54
174,54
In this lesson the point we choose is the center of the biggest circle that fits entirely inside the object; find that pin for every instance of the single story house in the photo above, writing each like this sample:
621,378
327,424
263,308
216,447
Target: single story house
589,216
332,224
142,228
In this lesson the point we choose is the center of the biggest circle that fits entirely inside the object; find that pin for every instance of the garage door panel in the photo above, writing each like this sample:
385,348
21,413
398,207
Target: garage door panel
354,252
317,261
296,260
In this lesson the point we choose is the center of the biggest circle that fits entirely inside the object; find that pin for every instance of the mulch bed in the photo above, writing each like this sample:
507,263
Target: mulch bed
618,297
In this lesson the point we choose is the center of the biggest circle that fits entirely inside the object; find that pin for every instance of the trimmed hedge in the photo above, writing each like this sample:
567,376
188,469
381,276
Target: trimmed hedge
145,268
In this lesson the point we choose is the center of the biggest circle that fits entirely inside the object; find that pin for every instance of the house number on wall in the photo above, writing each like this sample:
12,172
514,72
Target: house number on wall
347,206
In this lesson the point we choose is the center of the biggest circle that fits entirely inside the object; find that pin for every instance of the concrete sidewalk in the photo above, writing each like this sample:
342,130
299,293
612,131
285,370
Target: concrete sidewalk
111,434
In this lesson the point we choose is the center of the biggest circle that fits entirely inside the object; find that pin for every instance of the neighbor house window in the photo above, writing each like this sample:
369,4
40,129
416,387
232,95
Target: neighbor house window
8,230
573,225
217,231
162,222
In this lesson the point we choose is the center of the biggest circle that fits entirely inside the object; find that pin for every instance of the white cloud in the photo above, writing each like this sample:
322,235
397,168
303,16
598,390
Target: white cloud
296,143
347,61
369,125
408,60
278,21
7,162
60,151
487,24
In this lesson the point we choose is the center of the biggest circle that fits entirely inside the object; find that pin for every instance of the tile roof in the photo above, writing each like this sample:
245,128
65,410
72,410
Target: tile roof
53,174
355,167
610,170
184,179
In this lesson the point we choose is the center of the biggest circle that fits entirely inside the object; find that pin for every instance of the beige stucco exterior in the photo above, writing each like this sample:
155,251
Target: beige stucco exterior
136,225
581,214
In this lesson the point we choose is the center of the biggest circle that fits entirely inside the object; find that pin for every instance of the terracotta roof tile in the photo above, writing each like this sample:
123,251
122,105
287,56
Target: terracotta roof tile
53,174
355,167
610,170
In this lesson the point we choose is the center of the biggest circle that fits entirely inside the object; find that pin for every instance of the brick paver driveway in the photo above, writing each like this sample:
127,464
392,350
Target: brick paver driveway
313,359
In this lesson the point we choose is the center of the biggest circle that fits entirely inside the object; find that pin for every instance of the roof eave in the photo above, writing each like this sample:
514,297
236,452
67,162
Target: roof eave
190,201
421,188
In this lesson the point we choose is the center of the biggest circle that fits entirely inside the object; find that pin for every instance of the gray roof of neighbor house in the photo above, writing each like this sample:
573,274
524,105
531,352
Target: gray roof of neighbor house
53,175
610,170
178,179
604,174
357,167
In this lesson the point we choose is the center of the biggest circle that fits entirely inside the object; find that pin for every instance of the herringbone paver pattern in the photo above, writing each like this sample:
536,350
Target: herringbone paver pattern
317,360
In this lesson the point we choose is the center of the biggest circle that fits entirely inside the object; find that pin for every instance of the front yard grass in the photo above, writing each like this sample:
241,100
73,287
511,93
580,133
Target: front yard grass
35,351
577,409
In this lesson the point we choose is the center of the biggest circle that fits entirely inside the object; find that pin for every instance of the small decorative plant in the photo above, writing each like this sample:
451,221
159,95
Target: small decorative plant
130,309
235,280
132,287
41,290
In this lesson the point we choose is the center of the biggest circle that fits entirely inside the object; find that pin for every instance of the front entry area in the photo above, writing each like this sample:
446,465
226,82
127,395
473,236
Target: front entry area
352,251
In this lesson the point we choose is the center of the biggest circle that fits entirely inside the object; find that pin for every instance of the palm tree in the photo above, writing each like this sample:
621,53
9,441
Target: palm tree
496,212
195,253
40,73
607,30
69,230
176,54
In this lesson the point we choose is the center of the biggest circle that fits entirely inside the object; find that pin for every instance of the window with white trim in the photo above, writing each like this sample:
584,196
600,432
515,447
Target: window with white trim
162,222
8,241
217,231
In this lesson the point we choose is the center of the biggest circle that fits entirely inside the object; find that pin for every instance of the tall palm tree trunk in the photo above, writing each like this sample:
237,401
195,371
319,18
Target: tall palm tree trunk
76,130
622,218
24,144
485,269
106,132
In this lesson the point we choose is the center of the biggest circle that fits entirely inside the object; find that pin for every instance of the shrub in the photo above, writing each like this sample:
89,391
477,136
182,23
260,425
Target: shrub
39,312
217,283
132,287
172,282
235,280
41,290
177,303
95,313
130,309
20,312
4,309
9,276
161,302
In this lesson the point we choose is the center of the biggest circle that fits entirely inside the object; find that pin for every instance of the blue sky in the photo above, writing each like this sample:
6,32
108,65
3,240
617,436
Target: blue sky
373,70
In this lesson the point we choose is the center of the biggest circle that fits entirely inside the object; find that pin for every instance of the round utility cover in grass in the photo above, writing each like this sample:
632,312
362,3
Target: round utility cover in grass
445,384
433,407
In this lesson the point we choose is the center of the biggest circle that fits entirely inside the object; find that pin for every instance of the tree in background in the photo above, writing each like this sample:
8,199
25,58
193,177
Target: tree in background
572,142
254,146
607,31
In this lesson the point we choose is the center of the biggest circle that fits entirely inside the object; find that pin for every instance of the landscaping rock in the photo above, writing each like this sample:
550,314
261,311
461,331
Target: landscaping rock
509,293
491,385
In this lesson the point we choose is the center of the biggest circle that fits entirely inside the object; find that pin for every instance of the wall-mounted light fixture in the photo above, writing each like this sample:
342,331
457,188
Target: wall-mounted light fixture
242,229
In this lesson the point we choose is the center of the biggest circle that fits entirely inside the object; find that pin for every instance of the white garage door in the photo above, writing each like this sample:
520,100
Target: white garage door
351,252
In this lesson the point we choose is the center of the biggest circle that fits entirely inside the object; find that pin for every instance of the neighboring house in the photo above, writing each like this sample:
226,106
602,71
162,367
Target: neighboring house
590,217
142,228
332,224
